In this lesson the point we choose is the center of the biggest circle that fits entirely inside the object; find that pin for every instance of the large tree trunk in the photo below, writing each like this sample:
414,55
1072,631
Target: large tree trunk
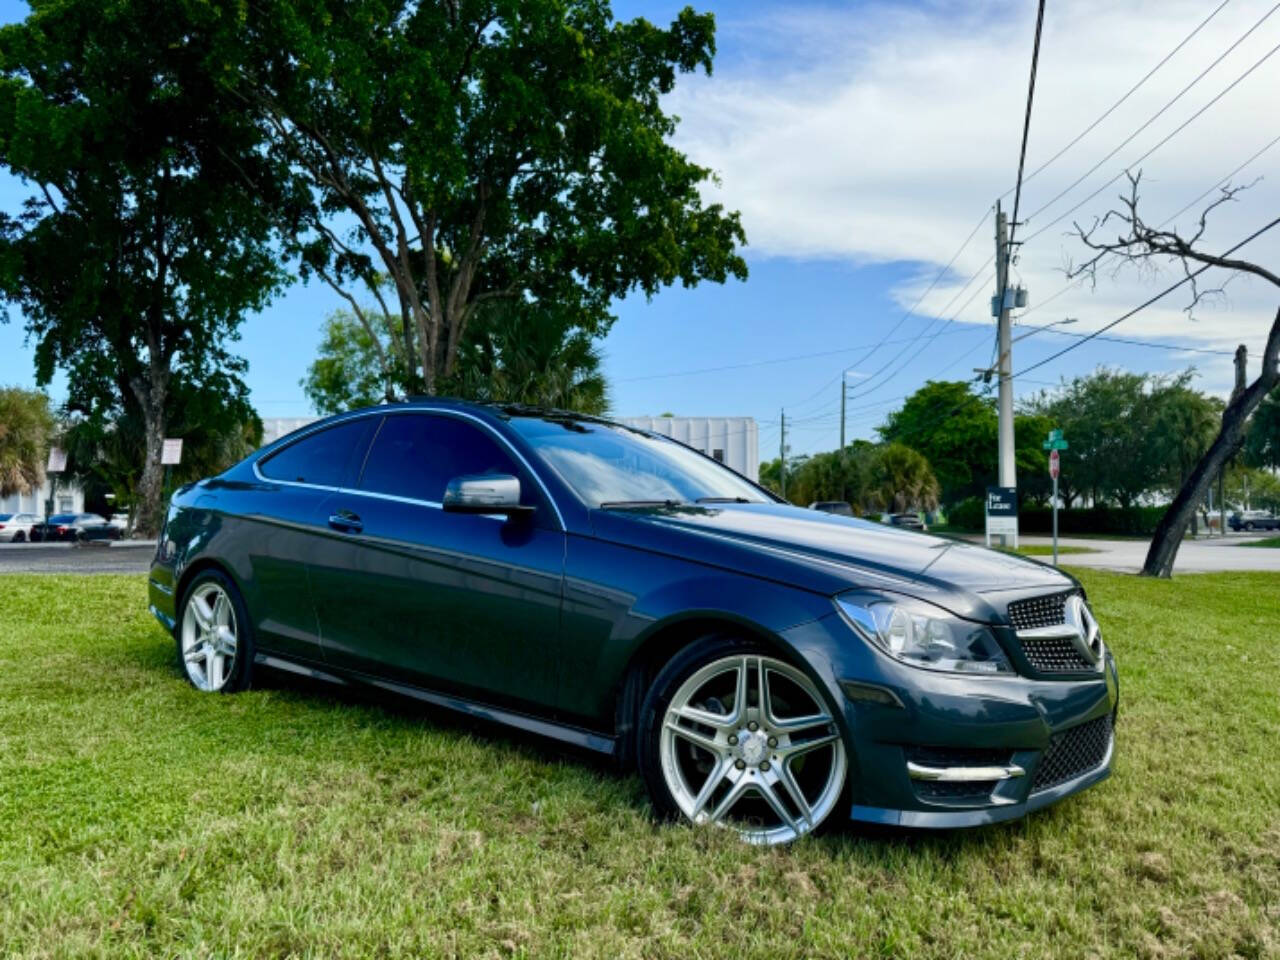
1168,536
149,511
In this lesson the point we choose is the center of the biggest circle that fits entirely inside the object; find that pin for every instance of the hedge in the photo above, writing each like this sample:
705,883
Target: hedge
968,515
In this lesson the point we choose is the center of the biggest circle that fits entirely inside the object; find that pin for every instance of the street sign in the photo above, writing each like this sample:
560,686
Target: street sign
172,452
1053,464
1056,441
1002,513
57,461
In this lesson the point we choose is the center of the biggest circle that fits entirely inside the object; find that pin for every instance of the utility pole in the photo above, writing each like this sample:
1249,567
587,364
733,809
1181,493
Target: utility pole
1004,366
782,454
844,392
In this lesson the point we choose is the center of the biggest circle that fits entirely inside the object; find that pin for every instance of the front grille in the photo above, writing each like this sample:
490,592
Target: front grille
1073,753
1054,655
1046,611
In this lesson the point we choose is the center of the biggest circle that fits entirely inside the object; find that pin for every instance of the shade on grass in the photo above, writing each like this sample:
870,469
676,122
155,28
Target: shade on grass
139,818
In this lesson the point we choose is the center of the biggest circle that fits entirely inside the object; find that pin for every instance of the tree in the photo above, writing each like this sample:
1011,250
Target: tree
217,430
1262,439
527,353
26,426
359,364
515,353
1106,418
141,246
476,151
954,429
1140,243
900,479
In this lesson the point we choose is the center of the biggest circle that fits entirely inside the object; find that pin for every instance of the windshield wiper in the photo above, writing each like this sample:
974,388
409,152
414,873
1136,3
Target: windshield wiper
628,504
723,500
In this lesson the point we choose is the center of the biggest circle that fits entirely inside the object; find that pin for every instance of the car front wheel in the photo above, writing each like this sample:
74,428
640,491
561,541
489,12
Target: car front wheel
734,736
215,646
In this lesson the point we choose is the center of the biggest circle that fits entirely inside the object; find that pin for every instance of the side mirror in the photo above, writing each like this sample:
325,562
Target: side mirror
485,493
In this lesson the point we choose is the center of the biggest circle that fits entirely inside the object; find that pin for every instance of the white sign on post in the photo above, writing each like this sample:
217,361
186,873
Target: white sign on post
57,461
172,452
1002,513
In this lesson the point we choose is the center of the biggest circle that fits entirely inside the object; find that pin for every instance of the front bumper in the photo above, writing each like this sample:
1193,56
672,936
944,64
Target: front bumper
903,727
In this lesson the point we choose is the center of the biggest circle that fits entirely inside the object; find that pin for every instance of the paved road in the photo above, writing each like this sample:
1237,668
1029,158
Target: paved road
123,556
1195,556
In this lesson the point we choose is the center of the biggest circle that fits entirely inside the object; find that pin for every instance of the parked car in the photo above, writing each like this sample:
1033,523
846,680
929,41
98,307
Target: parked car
911,521
1253,520
838,507
16,527
616,590
79,527
119,521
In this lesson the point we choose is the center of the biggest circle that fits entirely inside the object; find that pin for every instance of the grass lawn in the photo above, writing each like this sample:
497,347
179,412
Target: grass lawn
1264,542
139,818
1042,550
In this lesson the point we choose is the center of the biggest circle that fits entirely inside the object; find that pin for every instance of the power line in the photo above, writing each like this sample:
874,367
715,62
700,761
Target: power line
1130,92
1146,303
1154,117
910,312
1178,129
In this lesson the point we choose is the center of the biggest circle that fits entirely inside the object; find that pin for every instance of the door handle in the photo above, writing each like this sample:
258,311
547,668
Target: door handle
346,521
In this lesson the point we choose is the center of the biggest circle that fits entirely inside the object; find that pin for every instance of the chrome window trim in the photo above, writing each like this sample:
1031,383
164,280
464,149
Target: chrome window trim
445,411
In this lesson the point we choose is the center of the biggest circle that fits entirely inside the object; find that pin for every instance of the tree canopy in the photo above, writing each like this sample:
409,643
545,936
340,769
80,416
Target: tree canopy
146,236
486,151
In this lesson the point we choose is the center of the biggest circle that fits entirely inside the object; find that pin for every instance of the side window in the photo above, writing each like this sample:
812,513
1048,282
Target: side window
416,455
329,458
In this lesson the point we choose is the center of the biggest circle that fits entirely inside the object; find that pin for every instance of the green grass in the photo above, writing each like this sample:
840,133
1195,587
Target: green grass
139,818
1042,550
1272,542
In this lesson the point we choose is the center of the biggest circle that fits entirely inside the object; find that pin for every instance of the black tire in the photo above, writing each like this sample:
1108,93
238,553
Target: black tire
241,675
19,537
680,668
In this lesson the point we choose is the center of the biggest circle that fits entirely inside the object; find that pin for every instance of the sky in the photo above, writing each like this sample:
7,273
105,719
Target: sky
865,145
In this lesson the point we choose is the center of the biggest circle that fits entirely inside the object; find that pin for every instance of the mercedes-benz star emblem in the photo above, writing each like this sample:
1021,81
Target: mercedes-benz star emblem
1088,638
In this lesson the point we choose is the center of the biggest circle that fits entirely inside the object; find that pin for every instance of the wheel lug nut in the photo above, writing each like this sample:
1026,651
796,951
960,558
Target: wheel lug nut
741,764
753,726
773,741
733,739
764,766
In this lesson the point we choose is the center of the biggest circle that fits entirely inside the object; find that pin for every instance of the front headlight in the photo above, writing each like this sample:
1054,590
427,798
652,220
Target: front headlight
923,635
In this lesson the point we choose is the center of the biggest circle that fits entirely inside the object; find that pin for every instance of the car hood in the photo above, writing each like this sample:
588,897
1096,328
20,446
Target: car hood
829,553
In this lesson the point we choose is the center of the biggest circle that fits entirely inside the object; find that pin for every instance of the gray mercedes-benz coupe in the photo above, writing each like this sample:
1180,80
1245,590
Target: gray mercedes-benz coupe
765,667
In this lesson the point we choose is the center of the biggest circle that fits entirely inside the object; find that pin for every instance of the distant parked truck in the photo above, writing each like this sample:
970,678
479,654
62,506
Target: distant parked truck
1253,520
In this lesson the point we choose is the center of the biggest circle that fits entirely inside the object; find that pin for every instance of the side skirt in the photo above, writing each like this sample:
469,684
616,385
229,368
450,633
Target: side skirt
564,733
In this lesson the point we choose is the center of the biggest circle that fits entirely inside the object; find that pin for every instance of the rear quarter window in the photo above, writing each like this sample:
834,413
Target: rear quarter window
329,457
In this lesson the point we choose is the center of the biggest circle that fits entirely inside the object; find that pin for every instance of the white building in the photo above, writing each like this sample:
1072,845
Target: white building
69,498
734,441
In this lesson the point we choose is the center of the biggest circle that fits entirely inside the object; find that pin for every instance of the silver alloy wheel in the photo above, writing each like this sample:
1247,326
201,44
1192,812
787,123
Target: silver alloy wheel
209,637
767,763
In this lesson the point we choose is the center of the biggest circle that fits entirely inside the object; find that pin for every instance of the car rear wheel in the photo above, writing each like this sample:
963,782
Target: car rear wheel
19,537
215,647
732,735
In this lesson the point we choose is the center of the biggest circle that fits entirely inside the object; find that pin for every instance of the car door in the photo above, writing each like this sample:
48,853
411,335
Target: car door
462,602
283,522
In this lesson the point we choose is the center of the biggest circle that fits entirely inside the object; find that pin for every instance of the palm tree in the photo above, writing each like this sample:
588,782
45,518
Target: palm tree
25,428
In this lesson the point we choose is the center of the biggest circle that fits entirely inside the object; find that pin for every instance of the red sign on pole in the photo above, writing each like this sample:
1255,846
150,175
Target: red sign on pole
1053,464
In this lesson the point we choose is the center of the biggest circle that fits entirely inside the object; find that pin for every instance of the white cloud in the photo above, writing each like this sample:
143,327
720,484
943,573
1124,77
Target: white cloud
881,133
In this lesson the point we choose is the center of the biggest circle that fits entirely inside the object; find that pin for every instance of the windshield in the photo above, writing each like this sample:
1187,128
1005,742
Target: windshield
63,518
610,465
